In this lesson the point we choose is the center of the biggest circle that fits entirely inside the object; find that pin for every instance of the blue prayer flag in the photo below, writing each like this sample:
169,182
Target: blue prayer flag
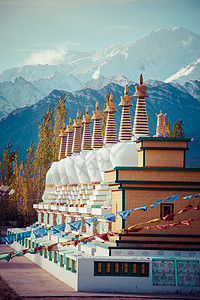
75,225
156,203
40,232
9,239
23,235
109,217
91,220
141,208
58,228
172,198
189,197
124,214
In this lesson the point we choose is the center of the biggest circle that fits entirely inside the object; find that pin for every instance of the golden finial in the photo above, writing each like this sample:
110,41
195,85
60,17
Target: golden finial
141,79
126,99
86,117
70,121
63,131
110,106
77,122
126,90
97,112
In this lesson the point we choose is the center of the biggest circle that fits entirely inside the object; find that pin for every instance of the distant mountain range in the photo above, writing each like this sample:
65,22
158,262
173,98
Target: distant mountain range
170,55
21,126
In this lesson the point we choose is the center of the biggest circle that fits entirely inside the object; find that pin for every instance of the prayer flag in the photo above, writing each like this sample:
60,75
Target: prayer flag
90,220
188,207
58,228
187,222
154,221
169,217
141,208
172,198
164,226
23,235
5,256
104,236
189,197
198,207
109,217
50,247
17,253
9,239
136,229
124,214
156,203
131,227
75,225
175,224
40,232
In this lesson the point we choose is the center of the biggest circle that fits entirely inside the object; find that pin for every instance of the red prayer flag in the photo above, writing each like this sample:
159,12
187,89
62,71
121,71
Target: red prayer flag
169,217
175,224
25,251
187,222
188,207
198,207
136,229
164,226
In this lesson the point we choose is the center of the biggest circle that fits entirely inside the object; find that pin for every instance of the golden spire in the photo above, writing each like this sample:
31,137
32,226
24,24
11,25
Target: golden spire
77,121
62,149
110,106
140,91
70,127
97,113
63,131
86,117
126,99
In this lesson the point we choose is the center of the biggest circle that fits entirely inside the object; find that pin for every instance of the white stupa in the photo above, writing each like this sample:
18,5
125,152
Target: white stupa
76,148
124,153
79,163
97,143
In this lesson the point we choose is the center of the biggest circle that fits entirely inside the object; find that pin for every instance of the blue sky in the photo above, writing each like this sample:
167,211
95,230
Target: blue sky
41,31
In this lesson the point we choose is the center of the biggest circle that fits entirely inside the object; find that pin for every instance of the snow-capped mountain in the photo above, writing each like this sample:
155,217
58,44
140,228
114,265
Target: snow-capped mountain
158,55
187,73
21,126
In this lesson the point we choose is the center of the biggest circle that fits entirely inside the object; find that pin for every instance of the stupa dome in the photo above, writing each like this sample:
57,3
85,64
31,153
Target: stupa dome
63,172
124,154
55,174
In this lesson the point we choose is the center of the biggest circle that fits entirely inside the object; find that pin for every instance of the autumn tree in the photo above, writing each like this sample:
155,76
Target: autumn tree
6,166
177,131
59,120
43,154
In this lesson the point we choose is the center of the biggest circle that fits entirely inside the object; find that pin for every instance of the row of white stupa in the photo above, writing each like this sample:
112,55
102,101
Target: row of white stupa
87,159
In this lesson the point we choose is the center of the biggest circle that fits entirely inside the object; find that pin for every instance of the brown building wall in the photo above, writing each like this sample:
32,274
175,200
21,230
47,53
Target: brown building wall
137,198
158,175
164,158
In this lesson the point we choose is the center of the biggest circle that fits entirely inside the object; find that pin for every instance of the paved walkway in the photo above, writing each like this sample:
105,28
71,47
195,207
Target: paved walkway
31,282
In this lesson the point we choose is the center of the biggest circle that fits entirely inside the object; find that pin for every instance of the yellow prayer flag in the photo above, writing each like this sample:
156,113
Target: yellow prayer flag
49,247
154,221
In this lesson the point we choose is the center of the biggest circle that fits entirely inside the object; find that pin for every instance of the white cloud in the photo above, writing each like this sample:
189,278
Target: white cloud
51,57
